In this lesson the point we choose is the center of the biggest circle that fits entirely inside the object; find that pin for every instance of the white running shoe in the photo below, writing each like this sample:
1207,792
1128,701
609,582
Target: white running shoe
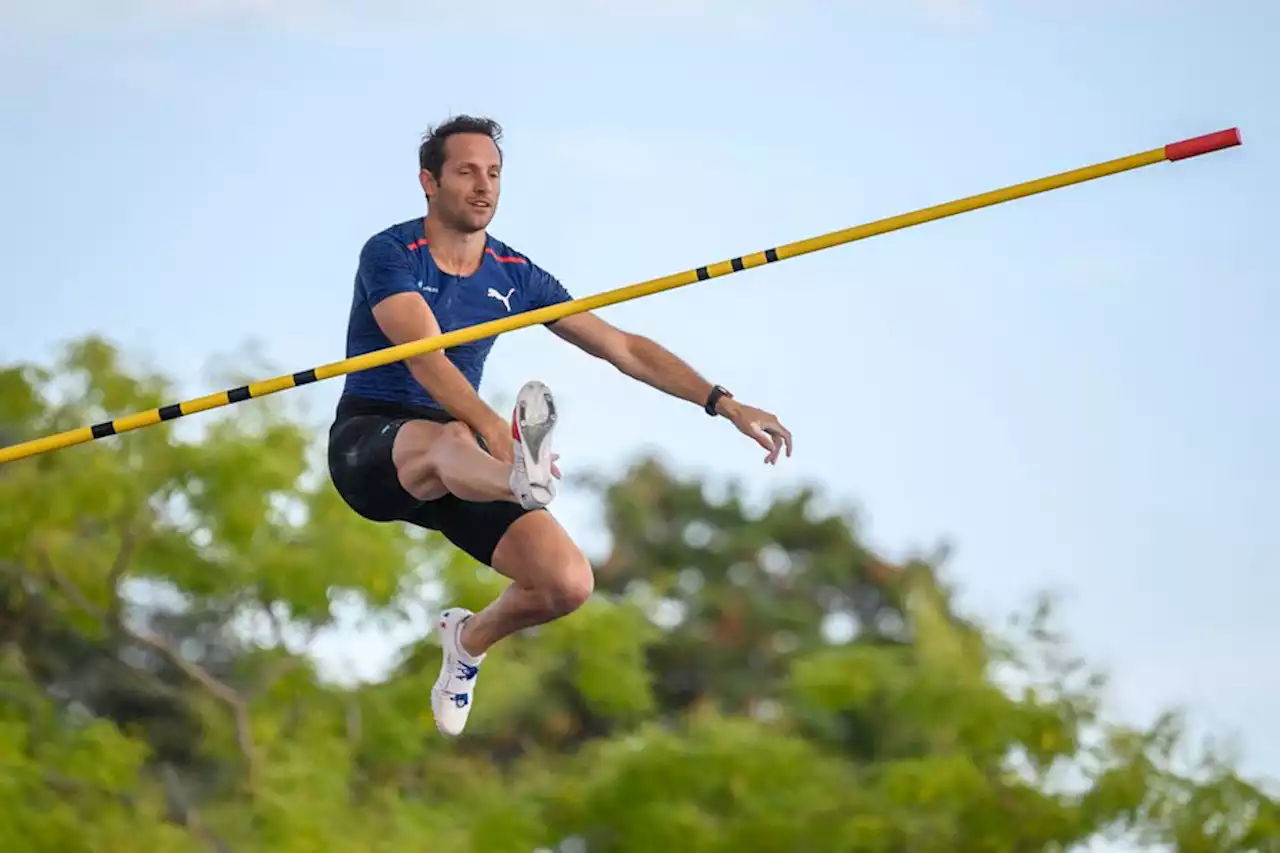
532,423
452,694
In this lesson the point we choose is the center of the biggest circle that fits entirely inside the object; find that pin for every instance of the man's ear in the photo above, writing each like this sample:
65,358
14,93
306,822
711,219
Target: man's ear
428,182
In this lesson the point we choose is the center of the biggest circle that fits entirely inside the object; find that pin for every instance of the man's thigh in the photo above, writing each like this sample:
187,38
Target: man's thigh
527,546
480,528
412,458
362,466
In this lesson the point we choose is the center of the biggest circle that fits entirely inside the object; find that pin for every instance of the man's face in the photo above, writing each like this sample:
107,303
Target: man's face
466,196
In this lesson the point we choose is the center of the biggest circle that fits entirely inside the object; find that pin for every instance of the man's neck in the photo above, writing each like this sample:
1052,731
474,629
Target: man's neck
454,252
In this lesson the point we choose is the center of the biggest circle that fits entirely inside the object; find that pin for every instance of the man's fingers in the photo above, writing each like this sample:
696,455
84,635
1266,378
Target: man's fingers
771,445
761,436
770,435
781,435
500,447
766,438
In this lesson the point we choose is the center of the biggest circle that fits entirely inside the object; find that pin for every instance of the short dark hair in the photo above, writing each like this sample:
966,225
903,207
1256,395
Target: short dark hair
431,151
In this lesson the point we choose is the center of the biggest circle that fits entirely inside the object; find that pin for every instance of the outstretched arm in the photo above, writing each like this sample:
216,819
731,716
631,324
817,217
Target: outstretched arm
649,362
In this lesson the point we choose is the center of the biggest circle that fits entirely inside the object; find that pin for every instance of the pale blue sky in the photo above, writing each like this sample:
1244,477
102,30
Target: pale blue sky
1075,389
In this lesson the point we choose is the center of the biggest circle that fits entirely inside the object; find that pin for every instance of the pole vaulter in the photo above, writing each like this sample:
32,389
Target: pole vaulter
1171,152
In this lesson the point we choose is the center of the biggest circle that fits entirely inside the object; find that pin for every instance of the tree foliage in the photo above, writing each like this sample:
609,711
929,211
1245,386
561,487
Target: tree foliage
743,680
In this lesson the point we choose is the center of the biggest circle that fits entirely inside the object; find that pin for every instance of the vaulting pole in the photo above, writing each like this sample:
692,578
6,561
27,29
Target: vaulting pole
1174,151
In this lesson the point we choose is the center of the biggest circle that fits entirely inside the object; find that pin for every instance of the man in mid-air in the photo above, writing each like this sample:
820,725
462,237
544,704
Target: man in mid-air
413,441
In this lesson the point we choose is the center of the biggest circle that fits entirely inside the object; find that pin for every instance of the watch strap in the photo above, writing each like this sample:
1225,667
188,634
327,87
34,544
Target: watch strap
713,398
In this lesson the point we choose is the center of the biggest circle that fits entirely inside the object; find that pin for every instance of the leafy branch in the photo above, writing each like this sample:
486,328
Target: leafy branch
111,617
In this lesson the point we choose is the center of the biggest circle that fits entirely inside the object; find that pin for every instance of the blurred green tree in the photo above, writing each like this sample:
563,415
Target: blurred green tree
744,680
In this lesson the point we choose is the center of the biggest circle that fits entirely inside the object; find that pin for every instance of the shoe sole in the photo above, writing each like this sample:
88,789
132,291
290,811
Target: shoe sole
535,420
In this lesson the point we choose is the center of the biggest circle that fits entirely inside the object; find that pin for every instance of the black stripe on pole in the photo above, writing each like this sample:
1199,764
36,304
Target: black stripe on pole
168,413
304,377
702,273
770,255
737,264
238,395
104,429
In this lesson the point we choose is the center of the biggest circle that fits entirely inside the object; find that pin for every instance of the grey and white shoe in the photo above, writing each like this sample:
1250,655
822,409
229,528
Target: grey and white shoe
532,423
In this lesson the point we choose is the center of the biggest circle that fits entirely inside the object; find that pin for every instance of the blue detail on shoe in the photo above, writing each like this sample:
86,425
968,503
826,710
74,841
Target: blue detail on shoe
467,672
461,699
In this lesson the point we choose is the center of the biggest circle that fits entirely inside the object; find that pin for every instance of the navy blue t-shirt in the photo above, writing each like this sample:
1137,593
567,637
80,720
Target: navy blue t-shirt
396,260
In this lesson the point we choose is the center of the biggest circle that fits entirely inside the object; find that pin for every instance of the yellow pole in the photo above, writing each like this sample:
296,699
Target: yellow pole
1174,151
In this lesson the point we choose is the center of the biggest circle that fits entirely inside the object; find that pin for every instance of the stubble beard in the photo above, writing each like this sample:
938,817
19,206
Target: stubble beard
464,220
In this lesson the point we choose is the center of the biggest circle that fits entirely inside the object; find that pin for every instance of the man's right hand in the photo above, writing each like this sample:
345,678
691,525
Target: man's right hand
496,434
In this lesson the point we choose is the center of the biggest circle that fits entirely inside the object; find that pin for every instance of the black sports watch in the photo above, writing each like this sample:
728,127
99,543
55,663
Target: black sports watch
714,397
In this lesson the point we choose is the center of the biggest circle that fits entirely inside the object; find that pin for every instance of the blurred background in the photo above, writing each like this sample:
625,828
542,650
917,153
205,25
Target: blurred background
1013,592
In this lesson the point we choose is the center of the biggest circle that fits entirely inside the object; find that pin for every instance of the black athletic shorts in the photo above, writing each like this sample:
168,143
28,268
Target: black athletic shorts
362,470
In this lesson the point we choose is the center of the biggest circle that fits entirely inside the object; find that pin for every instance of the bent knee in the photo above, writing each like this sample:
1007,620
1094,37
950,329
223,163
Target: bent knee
419,442
450,436
571,585
538,555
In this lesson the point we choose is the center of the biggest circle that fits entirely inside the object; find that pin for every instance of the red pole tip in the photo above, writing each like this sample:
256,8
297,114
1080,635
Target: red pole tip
1202,144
